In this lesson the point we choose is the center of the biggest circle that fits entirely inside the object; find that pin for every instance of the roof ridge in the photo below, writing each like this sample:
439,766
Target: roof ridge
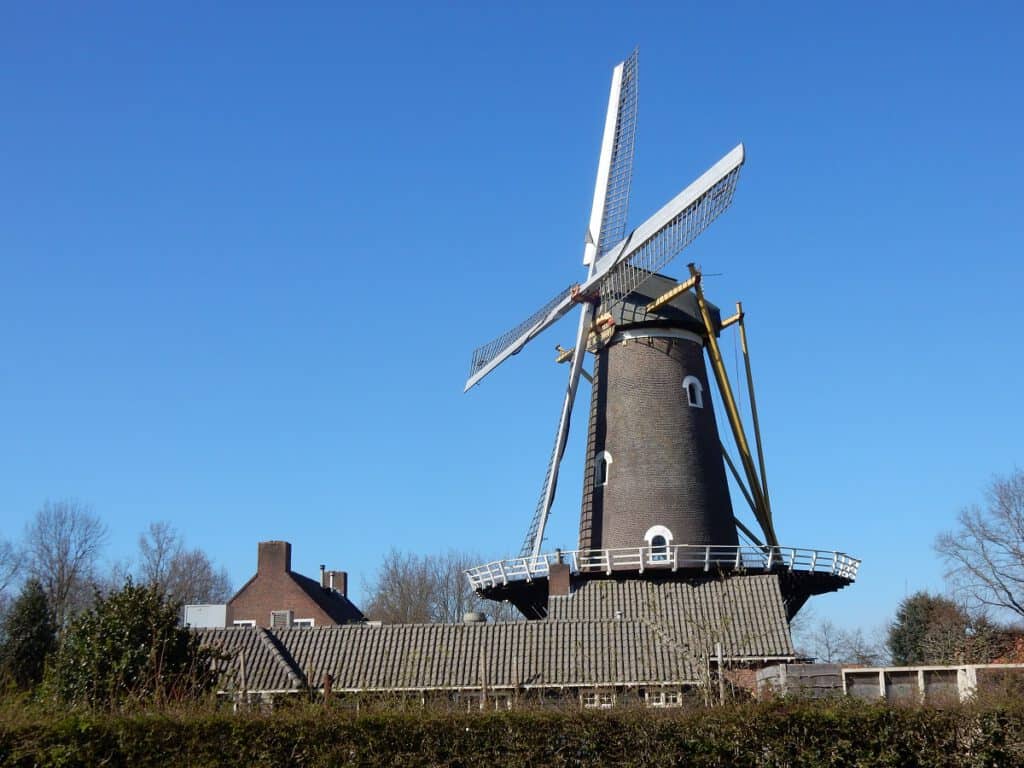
280,652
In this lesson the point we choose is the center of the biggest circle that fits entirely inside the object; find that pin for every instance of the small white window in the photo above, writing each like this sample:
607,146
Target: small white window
598,699
694,392
300,623
244,623
658,539
602,468
664,699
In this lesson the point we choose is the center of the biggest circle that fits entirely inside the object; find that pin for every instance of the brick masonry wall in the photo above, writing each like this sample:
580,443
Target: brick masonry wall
590,512
666,466
274,591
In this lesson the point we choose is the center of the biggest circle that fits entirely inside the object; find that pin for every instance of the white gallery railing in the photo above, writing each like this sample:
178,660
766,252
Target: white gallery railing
708,558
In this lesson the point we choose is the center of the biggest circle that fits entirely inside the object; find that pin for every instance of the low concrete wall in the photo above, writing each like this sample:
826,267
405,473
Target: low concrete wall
929,684
813,681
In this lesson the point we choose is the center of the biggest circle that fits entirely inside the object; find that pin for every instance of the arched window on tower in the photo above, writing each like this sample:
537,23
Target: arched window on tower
694,392
658,539
602,468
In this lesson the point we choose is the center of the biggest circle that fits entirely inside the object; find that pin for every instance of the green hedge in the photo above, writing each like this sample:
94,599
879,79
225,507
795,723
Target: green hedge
775,734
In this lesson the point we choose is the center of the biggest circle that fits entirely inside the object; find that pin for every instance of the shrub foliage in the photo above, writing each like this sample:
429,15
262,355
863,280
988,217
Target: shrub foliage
776,734
129,647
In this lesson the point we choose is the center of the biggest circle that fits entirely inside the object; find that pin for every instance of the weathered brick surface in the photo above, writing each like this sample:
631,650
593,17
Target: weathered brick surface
275,587
666,467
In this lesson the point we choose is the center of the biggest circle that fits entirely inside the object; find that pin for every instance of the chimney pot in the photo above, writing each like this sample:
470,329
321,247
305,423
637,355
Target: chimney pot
339,582
323,581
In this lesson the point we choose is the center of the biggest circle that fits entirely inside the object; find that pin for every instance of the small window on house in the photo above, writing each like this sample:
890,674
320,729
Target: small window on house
663,698
598,699
694,392
302,623
603,468
280,619
244,623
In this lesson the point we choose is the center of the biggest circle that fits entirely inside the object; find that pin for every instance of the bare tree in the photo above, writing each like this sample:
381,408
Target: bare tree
10,564
800,628
454,597
62,545
159,544
831,644
403,592
858,648
985,555
412,589
186,575
827,641
194,578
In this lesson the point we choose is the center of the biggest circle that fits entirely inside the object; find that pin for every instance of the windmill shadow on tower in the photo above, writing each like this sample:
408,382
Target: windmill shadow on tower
656,504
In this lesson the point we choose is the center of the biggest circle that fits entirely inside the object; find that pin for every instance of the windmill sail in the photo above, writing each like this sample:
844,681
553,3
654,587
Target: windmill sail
487,357
667,233
620,175
607,223
647,249
535,534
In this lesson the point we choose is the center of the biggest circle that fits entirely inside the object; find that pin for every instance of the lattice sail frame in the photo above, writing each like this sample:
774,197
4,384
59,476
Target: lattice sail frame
484,354
667,243
620,177
647,249
547,491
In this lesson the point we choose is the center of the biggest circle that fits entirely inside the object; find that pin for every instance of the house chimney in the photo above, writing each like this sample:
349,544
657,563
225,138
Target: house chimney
339,582
558,579
323,576
274,556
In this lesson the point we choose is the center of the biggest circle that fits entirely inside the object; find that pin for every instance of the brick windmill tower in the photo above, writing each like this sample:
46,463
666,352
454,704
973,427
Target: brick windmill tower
656,503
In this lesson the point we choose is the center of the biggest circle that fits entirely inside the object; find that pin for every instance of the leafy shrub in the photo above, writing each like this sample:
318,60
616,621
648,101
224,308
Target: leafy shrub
777,734
129,647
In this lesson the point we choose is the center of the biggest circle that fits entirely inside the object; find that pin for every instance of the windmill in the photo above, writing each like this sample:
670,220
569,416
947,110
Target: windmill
656,499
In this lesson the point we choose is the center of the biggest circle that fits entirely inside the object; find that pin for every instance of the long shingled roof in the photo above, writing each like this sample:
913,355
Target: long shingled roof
745,614
607,633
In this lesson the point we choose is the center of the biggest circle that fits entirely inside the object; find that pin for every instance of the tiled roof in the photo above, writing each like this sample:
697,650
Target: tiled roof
607,633
333,603
456,656
504,655
746,614
256,661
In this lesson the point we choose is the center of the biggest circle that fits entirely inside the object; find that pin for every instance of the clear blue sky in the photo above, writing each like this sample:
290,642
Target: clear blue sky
245,254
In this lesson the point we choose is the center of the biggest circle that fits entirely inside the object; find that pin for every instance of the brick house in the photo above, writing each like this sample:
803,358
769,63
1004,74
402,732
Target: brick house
277,597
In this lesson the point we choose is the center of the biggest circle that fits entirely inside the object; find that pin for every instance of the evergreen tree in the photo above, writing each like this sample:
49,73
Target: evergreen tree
30,636
130,645
930,629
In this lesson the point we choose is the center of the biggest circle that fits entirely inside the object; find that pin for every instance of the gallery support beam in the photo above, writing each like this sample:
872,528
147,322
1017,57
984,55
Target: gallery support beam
732,412
753,408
